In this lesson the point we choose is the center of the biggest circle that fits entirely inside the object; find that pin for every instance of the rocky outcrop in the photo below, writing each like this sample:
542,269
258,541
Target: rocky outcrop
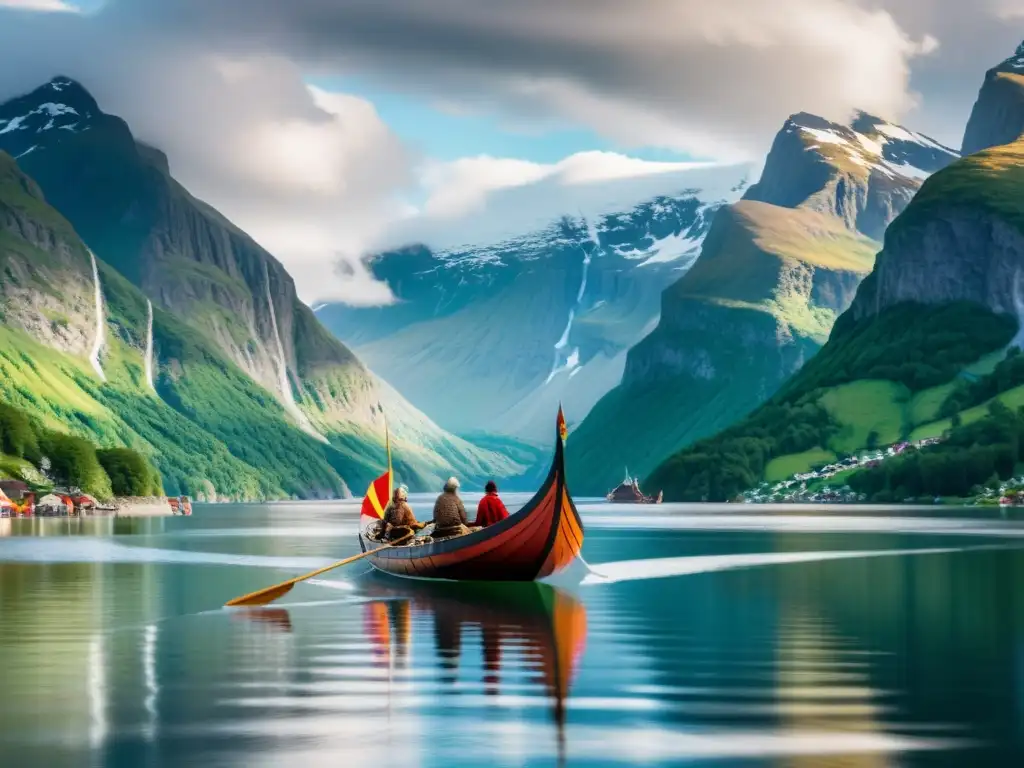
961,240
998,114
38,249
864,173
961,255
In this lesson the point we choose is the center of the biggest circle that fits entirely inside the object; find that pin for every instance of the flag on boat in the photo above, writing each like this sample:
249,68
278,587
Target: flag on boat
377,497
379,493
562,429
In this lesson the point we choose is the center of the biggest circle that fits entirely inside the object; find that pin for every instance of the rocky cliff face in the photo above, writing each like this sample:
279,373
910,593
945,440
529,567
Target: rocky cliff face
775,271
76,338
759,302
490,336
998,114
202,269
961,240
181,252
38,249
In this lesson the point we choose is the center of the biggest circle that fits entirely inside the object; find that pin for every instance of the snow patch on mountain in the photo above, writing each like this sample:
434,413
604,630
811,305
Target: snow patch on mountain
824,137
572,360
890,150
13,124
50,110
903,134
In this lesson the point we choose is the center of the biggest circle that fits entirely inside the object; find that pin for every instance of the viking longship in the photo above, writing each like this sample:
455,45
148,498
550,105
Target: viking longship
629,492
543,537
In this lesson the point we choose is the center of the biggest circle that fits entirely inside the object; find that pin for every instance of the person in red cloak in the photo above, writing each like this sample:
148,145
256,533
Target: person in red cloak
492,509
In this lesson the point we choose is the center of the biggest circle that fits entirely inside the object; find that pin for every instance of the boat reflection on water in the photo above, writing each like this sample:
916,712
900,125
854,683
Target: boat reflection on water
274,618
526,628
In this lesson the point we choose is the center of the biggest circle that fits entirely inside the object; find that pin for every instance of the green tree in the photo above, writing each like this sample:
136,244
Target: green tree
129,472
17,436
73,462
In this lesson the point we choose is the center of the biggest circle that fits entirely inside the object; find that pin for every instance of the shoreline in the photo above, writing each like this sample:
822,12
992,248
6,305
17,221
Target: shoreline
143,508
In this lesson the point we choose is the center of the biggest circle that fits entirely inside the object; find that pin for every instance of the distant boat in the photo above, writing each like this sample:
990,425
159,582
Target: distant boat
180,505
629,492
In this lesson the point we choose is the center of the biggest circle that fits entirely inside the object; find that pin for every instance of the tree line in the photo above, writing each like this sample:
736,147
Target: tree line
913,344
1007,375
68,460
721,467
982,453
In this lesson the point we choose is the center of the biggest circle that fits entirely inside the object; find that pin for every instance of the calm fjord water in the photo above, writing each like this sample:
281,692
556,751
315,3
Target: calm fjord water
726,636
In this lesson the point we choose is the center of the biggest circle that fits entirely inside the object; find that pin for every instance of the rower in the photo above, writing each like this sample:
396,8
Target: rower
399,519
450,513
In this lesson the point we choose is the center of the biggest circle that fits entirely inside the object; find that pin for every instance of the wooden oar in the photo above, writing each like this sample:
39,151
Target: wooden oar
270,594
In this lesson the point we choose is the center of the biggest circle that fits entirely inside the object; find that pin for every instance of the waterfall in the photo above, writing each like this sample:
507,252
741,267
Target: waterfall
282,371
571,361
1018,305
149,344
101,323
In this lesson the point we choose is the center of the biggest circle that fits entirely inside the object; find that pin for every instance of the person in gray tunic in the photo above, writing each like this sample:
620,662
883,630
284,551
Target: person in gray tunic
449,512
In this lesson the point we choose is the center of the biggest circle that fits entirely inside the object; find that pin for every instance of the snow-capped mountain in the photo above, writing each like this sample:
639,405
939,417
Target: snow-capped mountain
489,336
775,271
26,122
865,172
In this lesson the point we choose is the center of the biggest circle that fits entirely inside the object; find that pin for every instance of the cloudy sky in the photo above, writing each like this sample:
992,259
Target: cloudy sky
323,126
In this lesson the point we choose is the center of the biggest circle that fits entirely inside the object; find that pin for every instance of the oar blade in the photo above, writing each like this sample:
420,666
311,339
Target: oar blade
270,594
264,596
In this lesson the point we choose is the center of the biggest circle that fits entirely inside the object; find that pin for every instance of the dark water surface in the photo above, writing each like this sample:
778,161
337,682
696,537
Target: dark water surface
702,636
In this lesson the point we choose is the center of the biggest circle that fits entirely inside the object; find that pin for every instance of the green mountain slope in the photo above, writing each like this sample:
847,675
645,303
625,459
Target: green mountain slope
777,277
232,300
210,429
776,270
941,307
201,402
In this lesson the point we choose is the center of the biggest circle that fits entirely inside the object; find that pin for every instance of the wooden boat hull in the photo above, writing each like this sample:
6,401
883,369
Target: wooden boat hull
537,541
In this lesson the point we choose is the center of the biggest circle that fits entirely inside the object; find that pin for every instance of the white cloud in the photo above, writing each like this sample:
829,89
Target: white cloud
1010,9
462,186
483,200
312,175
317,176
39,5
712,78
